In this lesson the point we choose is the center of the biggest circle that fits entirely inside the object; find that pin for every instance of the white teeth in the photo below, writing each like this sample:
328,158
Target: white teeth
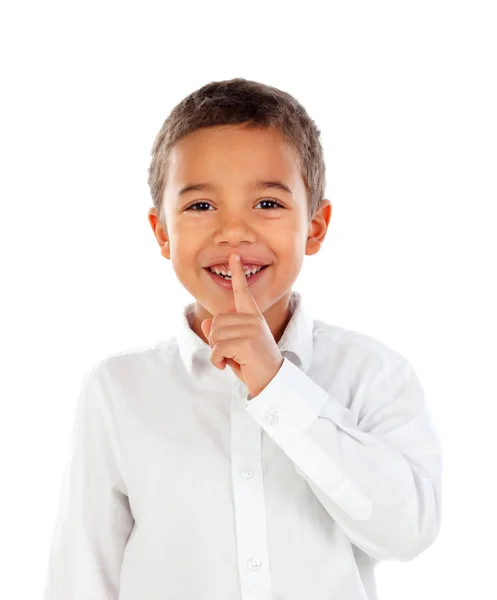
228,273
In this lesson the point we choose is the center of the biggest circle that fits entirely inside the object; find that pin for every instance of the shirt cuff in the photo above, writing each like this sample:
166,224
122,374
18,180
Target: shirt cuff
291,401
286,409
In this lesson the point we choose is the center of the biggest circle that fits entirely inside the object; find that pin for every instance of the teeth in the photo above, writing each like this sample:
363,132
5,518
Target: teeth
227,272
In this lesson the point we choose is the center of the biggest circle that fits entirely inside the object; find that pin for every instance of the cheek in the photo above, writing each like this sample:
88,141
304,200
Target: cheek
288,245
183,262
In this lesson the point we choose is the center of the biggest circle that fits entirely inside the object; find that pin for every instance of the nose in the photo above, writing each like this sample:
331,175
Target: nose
234,230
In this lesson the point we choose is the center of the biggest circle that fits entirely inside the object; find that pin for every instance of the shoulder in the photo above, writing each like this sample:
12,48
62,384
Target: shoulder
368,352
368,373
126,367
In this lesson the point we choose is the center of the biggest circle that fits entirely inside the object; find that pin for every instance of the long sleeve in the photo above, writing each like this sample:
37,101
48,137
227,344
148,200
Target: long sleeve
376,470
94,519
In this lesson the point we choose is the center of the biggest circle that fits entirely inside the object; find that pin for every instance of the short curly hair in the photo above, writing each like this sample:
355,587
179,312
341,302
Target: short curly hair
235,102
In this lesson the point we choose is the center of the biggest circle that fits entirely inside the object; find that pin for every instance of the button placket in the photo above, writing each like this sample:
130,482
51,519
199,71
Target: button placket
247,473
248,495
254,564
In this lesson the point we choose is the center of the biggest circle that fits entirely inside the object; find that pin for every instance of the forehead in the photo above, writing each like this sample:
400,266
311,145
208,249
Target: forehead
234,154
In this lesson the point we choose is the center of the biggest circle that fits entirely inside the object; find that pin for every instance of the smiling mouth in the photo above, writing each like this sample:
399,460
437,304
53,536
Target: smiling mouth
228,278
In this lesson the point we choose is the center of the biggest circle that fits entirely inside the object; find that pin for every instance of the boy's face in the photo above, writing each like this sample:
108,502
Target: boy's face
236,216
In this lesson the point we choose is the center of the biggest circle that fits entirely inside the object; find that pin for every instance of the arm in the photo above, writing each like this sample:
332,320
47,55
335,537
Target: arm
379,478
94,519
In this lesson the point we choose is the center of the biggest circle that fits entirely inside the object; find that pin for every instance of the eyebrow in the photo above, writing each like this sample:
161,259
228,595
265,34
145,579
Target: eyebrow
259,184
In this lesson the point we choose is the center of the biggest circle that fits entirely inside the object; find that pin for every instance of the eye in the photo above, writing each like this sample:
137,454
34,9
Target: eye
197,204
278,205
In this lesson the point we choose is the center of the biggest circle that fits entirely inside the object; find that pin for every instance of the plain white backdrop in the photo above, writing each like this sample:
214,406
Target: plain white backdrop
404,94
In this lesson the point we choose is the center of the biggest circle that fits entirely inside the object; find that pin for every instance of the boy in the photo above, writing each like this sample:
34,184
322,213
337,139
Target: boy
257,454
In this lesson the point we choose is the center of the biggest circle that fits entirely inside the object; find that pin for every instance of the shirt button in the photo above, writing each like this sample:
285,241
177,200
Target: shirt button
254,564
247,473
272,418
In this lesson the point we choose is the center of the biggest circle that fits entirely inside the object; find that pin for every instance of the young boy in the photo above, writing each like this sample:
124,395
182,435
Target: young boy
258,453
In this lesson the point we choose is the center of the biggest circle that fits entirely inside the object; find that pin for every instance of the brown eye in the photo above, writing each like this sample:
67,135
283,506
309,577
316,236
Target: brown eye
198,204
272,202
267,200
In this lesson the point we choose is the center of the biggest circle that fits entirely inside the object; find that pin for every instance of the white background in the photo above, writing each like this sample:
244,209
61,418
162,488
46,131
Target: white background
405,96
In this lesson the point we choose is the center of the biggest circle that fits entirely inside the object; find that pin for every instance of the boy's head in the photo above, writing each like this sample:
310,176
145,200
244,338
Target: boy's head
224,139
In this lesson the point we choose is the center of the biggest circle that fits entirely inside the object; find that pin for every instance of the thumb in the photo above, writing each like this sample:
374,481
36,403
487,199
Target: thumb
206,327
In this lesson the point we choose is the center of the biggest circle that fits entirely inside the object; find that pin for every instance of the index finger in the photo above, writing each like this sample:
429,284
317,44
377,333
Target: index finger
244,300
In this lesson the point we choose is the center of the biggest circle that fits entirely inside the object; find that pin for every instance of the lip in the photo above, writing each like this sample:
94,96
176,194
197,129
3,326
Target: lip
226,285
245,261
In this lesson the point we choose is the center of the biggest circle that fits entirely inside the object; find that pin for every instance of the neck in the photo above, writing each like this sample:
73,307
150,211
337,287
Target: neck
277,317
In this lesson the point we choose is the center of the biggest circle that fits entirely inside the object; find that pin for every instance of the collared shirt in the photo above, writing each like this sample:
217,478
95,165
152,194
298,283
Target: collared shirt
178,485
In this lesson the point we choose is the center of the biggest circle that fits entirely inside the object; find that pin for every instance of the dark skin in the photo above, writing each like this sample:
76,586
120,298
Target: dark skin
237,217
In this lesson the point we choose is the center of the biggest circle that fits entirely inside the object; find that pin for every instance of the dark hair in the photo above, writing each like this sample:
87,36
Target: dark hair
235,102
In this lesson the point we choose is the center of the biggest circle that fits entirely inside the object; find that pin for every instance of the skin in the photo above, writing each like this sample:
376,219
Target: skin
242,339
231,158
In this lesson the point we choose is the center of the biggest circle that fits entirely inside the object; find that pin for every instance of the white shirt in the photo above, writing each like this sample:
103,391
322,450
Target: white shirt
180,486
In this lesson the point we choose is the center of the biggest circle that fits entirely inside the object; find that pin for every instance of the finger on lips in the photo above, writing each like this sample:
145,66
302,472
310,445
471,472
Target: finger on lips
220,329
243,298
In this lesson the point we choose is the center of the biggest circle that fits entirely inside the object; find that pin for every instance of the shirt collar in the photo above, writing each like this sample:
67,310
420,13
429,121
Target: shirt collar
296,343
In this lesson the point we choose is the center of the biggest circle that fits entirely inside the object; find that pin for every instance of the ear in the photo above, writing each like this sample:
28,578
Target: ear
318,227
160,232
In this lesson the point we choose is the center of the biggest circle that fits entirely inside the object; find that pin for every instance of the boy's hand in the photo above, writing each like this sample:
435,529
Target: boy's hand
243,339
